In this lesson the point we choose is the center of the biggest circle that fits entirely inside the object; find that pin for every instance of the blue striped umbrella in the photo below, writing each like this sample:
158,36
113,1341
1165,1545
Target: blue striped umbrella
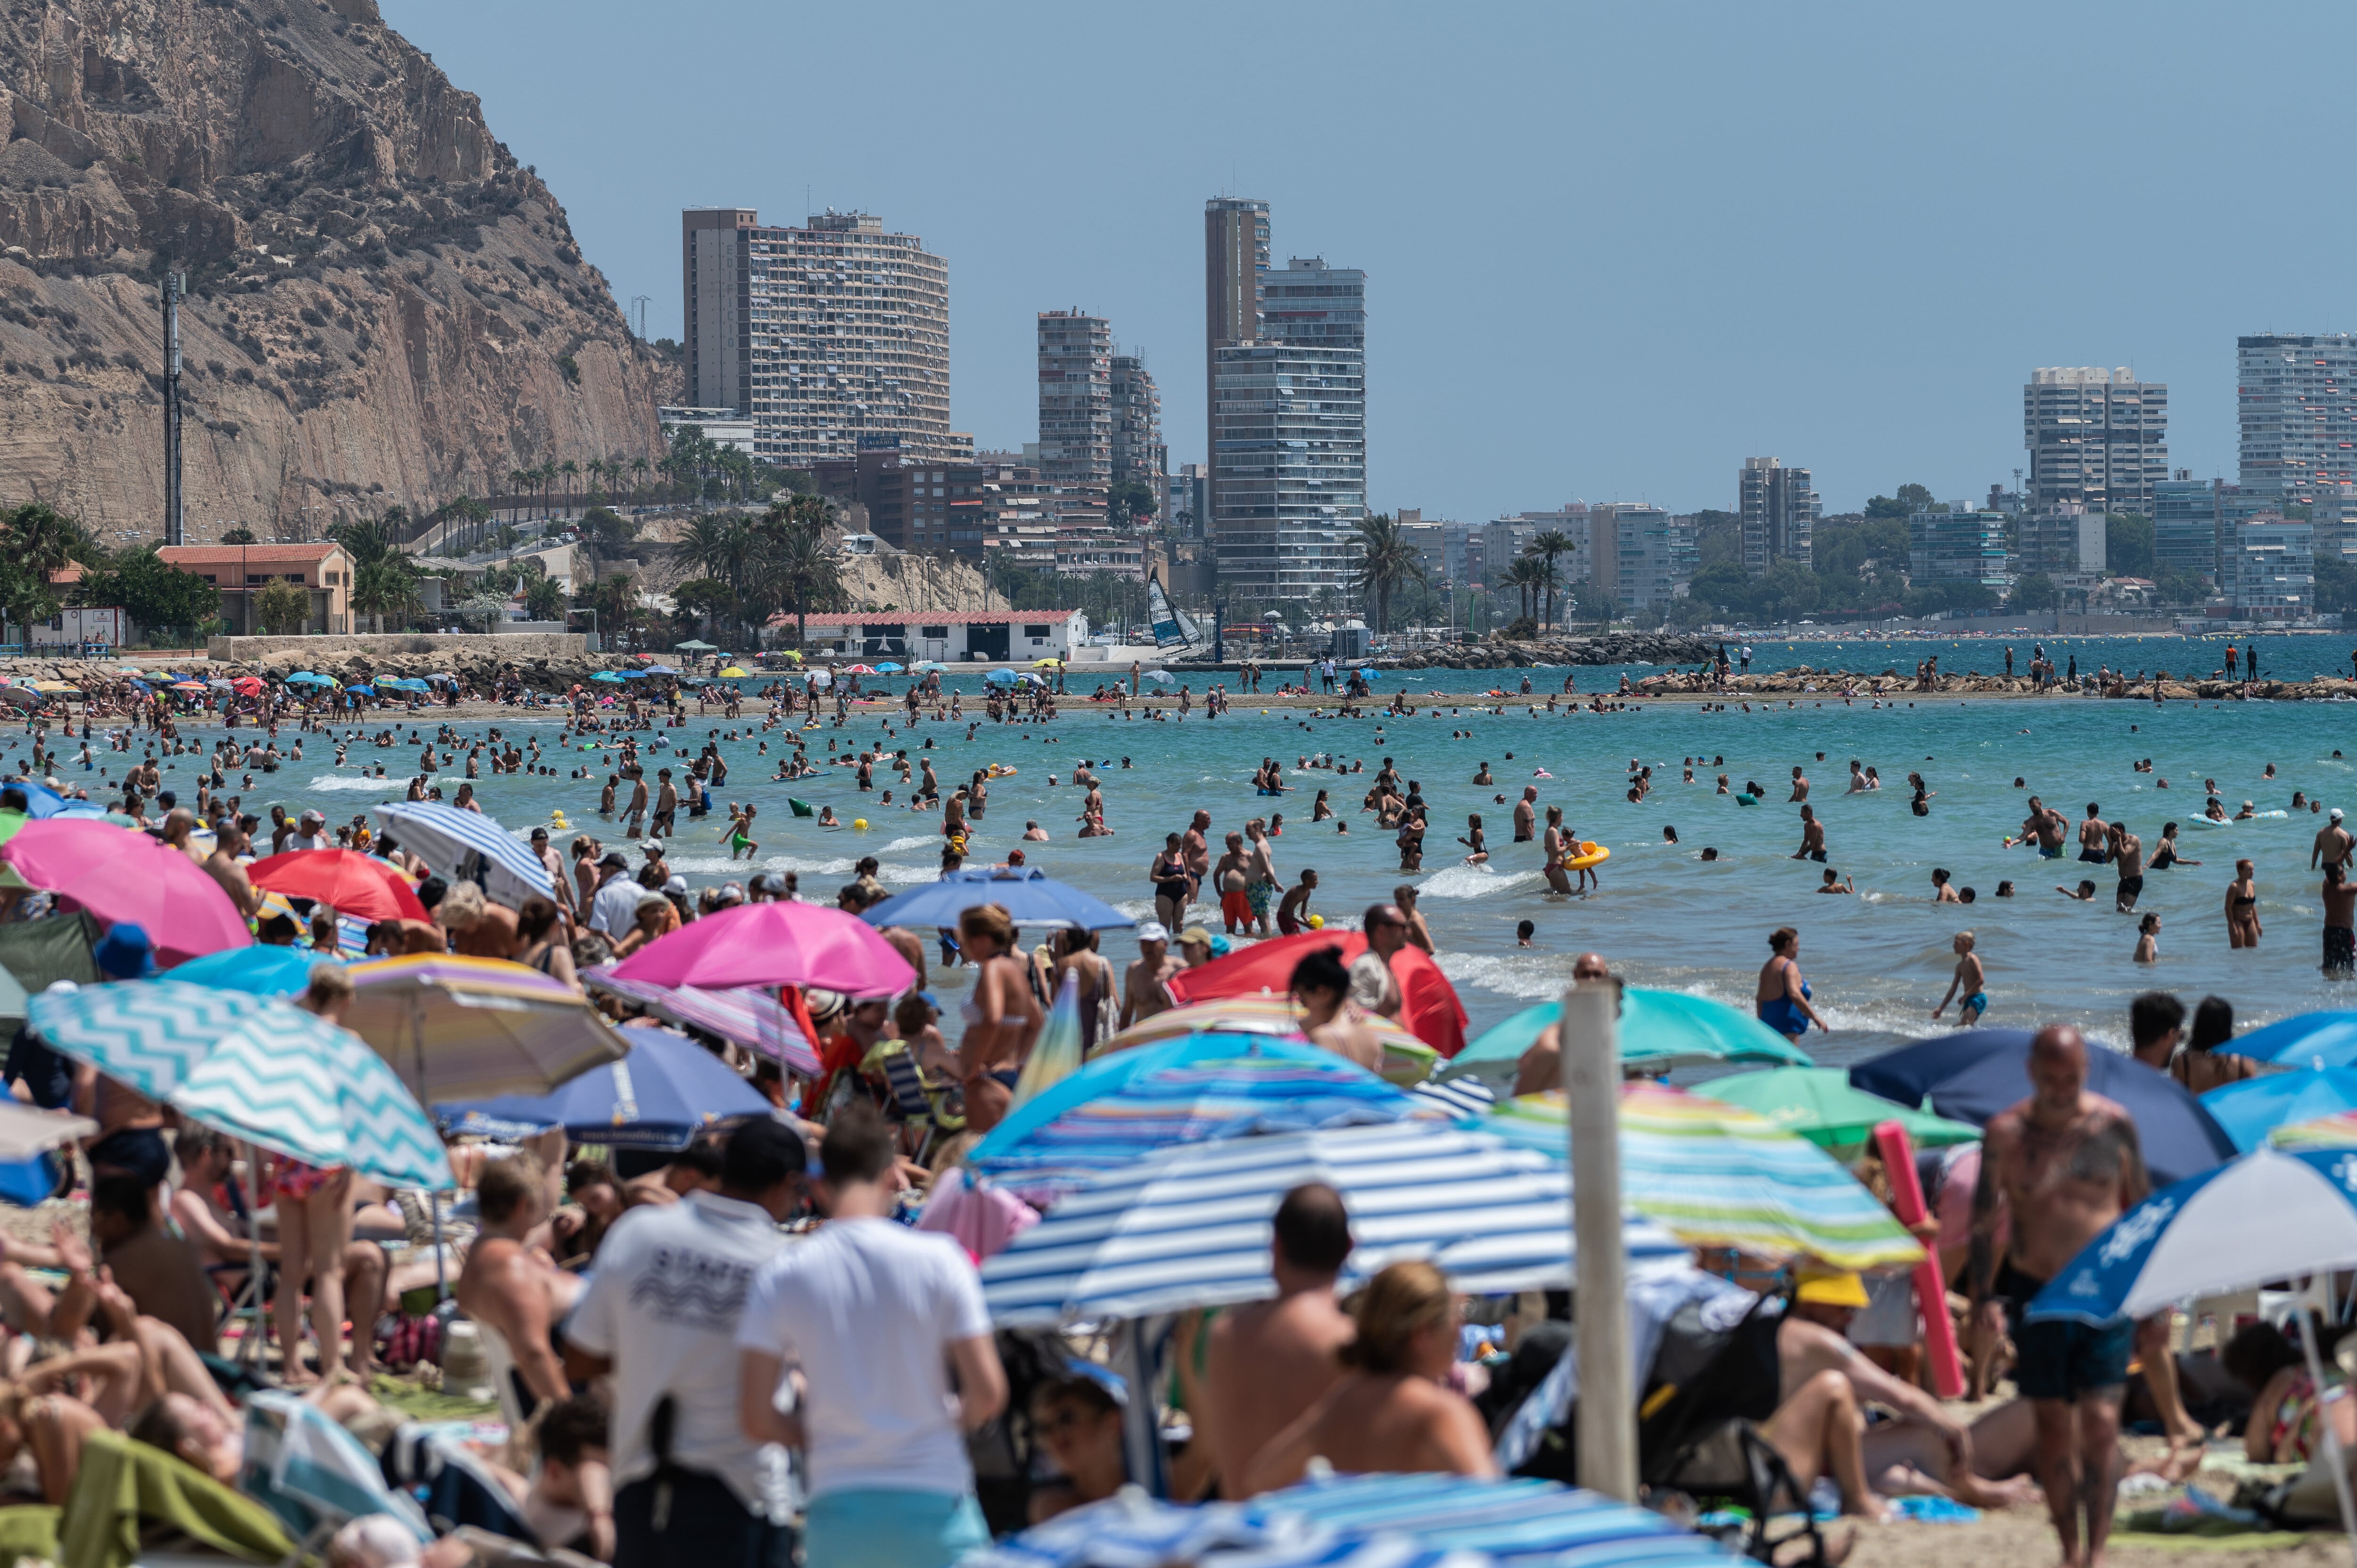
290,1080
1189,1227
1031,896
146,1033
1188,1090
469,846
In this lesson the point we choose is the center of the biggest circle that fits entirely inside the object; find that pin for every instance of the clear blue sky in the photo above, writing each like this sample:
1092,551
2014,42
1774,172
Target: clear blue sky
1612,252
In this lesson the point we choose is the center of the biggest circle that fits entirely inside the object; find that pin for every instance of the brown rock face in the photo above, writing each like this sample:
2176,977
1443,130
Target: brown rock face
384,307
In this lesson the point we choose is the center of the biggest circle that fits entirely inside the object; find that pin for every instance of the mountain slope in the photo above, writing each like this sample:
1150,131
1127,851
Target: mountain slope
385,307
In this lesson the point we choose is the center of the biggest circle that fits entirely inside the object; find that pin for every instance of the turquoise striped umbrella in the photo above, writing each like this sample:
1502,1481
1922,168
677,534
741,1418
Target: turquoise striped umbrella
258,1068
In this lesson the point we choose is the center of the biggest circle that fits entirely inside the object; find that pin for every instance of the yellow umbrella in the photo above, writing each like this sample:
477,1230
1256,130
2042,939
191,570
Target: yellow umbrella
1406,1060
732,669
54,686
1046,663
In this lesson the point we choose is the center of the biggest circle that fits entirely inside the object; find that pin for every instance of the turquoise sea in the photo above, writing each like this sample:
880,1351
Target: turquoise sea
1877,961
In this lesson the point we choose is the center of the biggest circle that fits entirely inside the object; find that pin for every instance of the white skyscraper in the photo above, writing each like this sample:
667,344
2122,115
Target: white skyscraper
2095,436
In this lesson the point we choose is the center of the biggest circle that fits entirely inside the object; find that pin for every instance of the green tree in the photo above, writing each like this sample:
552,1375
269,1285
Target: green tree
1718,536
543,600
1386,560
1133,501
1724,585
2035,591
797,564
280,609
705,599
386,586
1910,499
1524,575
1549,547
154,594
237,536
2127,544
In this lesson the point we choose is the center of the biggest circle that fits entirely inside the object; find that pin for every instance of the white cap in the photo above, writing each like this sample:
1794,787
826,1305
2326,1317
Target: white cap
1152,932
2334,813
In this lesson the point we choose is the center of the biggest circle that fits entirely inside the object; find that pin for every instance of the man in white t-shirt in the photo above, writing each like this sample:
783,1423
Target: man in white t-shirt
875,1319
662,1314
311,832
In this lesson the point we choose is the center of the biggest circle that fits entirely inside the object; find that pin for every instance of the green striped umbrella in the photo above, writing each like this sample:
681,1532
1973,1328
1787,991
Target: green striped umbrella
1718,1175
1821,1105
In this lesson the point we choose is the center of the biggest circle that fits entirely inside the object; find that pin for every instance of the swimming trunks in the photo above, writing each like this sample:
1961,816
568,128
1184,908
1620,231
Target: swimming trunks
1978,1003
2062,1360
1818,855
2339,948
1260,895
1287,925
1235,908
2050,852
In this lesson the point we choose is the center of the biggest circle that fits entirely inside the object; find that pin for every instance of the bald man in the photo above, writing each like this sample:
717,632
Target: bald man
1540,1067
2065,1163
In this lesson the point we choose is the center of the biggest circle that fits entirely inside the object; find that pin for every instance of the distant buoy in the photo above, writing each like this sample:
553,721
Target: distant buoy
859,822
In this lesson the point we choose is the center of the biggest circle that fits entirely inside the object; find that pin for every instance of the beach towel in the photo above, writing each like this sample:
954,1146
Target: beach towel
124,1485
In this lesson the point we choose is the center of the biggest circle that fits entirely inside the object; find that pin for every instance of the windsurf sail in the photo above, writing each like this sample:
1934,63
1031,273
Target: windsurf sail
1172,628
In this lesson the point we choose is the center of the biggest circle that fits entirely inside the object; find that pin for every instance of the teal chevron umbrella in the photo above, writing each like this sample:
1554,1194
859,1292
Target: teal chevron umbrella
254,1067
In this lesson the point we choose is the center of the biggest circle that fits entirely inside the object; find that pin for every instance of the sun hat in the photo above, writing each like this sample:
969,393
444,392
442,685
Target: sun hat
1195,934
1822,1286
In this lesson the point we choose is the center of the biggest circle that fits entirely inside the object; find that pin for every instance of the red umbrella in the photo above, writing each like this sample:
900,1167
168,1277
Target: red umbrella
345,880
1428,1005
118,877
247,685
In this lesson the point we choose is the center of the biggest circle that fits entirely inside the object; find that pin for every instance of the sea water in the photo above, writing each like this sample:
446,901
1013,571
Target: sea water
1877,961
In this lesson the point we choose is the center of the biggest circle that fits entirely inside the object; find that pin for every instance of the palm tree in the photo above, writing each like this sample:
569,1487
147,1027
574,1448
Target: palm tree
795,556
1543,584
386,585
1386,560
721,546
639,467
519,485
570,471
543,599
1547,546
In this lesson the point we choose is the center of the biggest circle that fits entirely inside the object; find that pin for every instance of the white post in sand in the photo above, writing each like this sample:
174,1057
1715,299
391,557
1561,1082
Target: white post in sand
1606,1425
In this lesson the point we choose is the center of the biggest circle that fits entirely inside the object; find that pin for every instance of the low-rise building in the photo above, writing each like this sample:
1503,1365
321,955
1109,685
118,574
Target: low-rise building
721,426
242,571
949,637
1957,547
2068,541
2272,569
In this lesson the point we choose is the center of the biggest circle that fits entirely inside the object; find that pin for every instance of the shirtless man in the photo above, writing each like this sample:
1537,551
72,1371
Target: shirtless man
1142,992
1800,787
633,818
1293,910
1541,1065
1526,815
2064,1164
1229,876
2044,827
1482,778
222,867
1269,1362
2094,837
512,1289
1813,837
1197,849
2332,843
1322,987
1261,883
2128,858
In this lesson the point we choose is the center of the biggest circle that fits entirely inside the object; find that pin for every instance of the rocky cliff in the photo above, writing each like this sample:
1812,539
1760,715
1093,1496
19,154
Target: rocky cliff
385,307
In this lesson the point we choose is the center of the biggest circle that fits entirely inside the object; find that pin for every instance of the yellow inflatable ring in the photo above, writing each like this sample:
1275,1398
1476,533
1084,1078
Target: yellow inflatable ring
1000,770
1591,854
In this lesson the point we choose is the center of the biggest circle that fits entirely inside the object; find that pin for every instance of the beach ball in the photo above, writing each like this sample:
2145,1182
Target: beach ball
1316,922
859,822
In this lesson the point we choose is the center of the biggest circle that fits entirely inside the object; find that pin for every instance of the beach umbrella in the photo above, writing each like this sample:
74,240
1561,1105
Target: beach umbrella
1406,1060
731,674
23,696
142,685
118,875
2255,1107
609,676
2272,1214
927,664
1718,1175
65,689
293,1082
409,683
1029,895
261,970
888,670
148,1034
2338,1131
1428,1006
247,685
1821,1105
774,944
345,880
27,1132
469,846
1163,676
856,669
1973,1075
634,674
1190,1091
660,670
188,686
666,1093
1659,1030
752,1018
457,1028
695,645
361,688
2306,1039
1056,1053
1189,1227
306,678
1000,677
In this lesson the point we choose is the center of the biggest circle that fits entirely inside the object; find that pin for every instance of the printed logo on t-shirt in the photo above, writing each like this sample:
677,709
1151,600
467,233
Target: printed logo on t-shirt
701,1290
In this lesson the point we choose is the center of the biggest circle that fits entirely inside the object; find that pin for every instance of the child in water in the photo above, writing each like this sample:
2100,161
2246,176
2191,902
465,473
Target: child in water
1970,980
1481,851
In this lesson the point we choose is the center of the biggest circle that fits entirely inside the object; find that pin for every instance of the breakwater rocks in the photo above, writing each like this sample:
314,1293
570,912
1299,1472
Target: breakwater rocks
1612,647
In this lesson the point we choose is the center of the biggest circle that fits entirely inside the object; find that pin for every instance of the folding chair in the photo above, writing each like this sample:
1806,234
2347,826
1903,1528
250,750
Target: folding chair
313,1475
920,1103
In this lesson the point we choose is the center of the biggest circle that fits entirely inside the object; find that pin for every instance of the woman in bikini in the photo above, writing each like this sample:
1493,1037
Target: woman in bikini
2202,1066
315,1224
539,941
1002,1016
1551,841
1782,999
2242,906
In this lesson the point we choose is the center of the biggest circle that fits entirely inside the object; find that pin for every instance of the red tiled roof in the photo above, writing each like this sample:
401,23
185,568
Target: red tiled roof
252,554
929,618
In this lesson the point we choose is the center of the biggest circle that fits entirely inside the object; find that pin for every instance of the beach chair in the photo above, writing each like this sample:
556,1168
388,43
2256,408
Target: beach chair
313,1474
455,1489
920,1103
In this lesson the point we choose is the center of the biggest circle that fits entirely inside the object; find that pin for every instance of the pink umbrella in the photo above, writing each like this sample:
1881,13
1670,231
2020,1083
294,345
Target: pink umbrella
771,944
120,875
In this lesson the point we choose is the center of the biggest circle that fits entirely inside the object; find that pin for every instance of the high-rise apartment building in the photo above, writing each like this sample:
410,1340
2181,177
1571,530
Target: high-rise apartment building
2194,523
1139,456
1778,511
1289,468
1188,508
1075,399
2298,398
2095,436
2067,542
830,337
1288,426
2271,568
1644,557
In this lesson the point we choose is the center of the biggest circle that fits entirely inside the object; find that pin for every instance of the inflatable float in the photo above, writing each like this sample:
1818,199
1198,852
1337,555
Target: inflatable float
1591,856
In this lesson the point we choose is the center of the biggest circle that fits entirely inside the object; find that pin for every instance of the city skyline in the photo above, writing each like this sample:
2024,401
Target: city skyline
1875,319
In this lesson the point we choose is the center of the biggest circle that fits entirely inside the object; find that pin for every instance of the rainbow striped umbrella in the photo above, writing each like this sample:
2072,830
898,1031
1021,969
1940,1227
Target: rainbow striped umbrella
471,1028
1188,1090
1718,1175
1406,1060
748,1015
2338,1130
